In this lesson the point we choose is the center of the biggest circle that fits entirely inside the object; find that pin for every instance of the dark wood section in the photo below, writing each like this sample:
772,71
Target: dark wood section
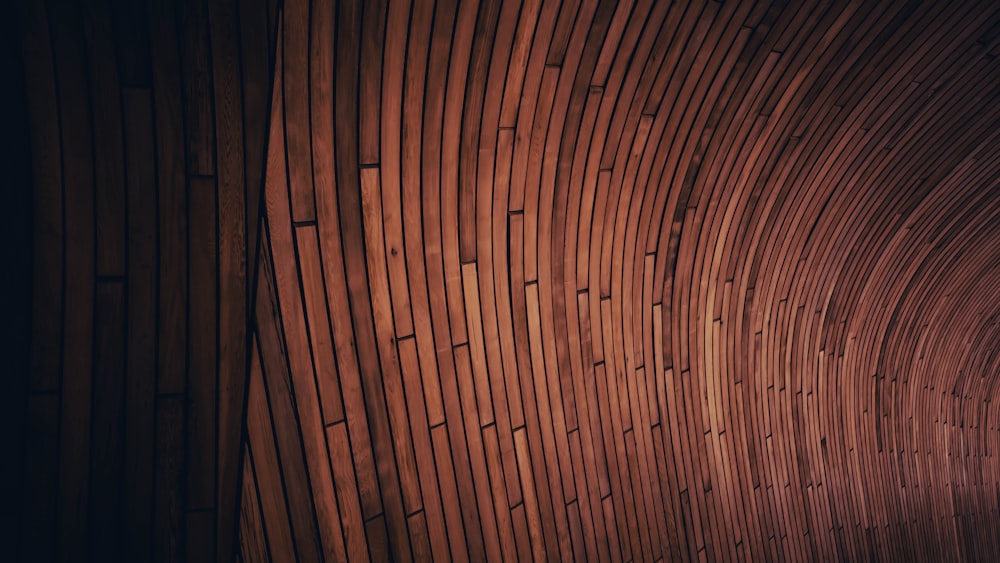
442,280
148,124
17,257
628,281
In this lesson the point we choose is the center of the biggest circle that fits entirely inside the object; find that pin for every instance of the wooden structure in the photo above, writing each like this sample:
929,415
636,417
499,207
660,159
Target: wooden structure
504,280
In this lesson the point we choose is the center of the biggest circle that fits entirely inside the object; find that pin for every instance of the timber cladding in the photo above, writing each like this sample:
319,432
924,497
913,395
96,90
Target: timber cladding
505,280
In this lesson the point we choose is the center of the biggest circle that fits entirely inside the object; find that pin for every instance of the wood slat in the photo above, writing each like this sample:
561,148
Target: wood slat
511,280
619,277
143,174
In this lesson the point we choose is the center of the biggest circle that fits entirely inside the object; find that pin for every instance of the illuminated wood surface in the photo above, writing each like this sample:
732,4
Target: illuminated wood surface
595,280
600,281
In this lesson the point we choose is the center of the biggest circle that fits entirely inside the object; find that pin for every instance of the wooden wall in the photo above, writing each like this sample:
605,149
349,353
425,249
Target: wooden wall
509,280
148,122
628,281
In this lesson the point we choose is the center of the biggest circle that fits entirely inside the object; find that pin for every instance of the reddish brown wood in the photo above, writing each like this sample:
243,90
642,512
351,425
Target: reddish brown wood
655,276
527,280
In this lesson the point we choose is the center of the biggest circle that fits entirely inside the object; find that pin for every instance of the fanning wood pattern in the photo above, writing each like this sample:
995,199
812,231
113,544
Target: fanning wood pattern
621,280
628,281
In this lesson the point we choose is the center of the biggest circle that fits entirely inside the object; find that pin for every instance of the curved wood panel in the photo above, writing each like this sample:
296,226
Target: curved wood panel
604,280
628,281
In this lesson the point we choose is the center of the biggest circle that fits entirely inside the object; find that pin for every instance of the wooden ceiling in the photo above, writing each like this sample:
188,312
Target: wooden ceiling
504,280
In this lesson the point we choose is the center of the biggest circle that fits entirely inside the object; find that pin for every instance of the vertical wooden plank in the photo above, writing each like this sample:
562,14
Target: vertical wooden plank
413,190
457,536
447,167
419,538
105,515
227,100
171,199
538,540
423,449
130,21
337,379
472,104
202,345
521,535
371,38
501,506
257,53
325,175
78,186
196,67
109,178
390,156
168,524
351,517
47,174
476,345
314,294
199,536
479,484
262,452
280,396
282,326
379,542
140,378
391,388
612,528
296,84
38,504
576,530
547,462
589,534
109,165
352,231
253,536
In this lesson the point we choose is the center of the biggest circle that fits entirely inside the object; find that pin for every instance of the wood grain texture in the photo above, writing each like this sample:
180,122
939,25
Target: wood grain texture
145,182
606,280
633,281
